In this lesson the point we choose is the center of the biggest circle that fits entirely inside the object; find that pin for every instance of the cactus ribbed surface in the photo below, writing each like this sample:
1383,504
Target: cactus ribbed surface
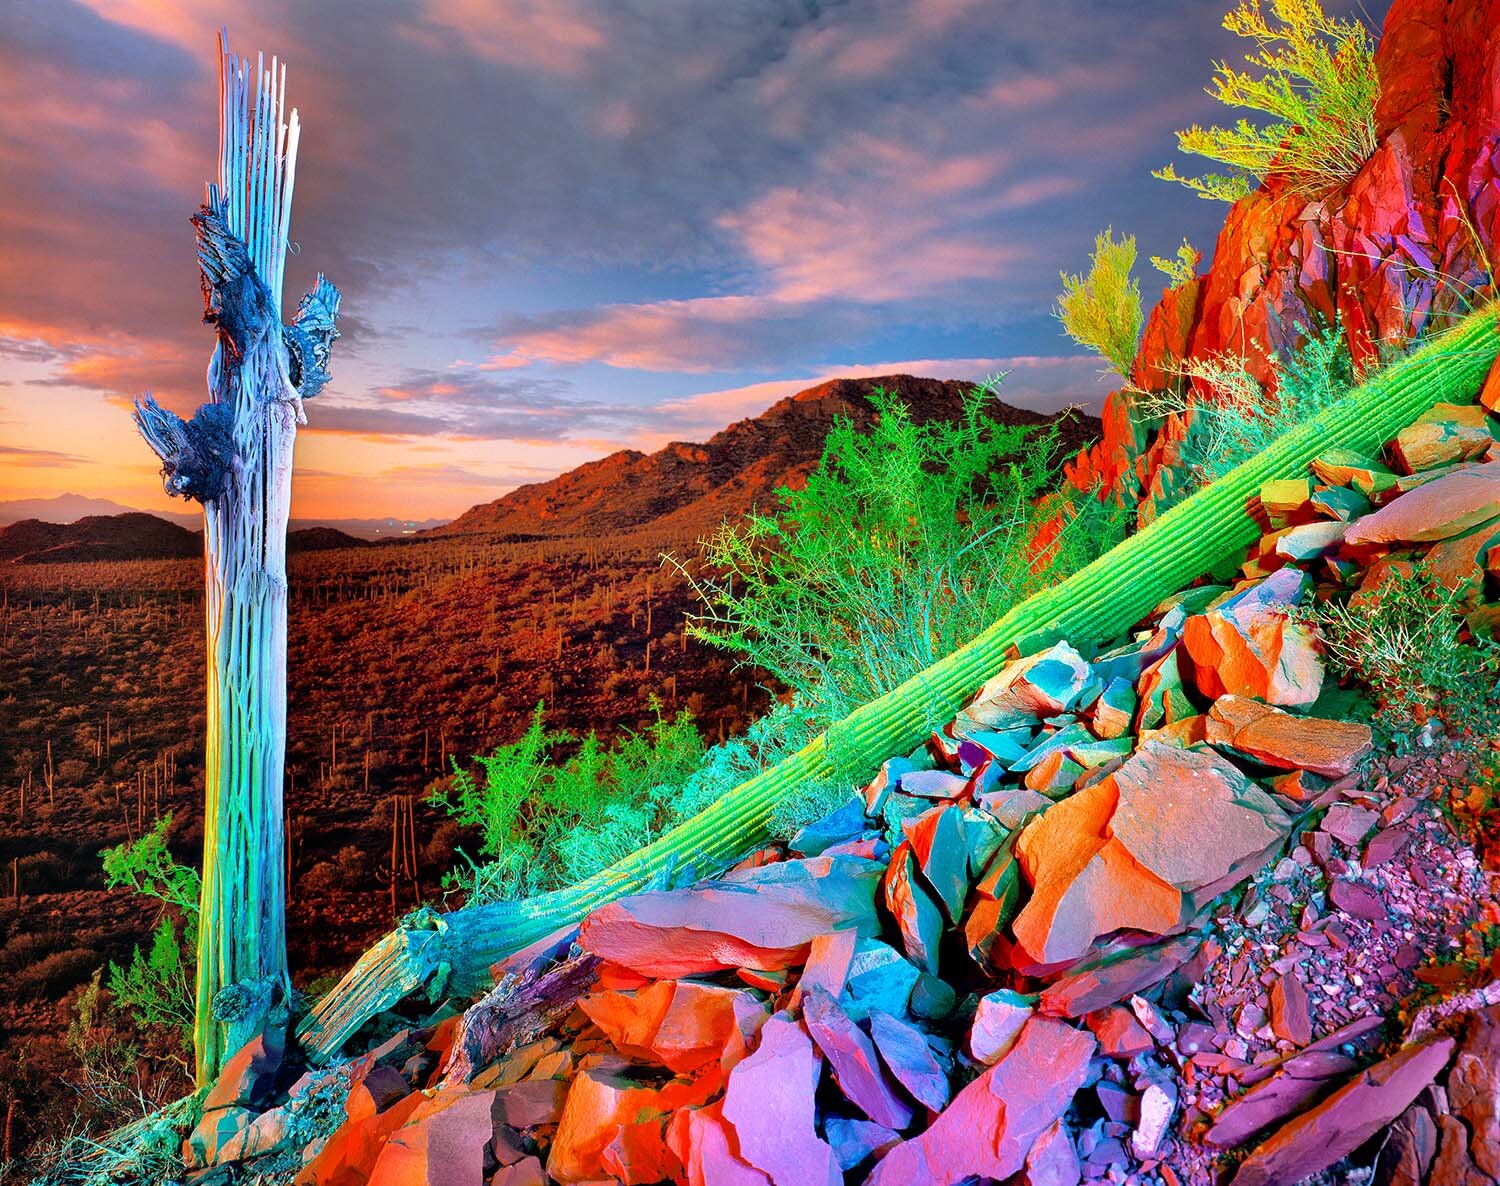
1095,605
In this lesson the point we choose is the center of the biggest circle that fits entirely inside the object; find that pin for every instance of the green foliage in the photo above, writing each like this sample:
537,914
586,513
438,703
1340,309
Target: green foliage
1182,267
1234,417
1312,77
544,823
1102,310
156,988
1405,640
148,867
906,541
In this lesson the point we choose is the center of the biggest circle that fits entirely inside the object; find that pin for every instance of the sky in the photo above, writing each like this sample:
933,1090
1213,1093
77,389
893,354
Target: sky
567,227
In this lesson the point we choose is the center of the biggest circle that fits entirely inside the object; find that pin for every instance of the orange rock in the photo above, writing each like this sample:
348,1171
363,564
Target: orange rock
443,1144
1249,646
679,1024
349,1154
1084,883
600,1106
1286,742
1443,434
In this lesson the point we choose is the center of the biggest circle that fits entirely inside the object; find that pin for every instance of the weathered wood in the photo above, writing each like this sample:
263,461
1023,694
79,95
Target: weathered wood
517,1010
235,457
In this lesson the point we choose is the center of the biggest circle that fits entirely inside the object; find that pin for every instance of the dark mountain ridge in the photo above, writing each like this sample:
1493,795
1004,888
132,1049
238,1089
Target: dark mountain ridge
687,487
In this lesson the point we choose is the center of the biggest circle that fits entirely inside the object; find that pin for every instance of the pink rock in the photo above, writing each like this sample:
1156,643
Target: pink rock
762,918
704,1143
994,1122
1052,1161
1349,823
1120,1034
768,1104
998,1019
1446,506
1345,1120
851,1056
905,1052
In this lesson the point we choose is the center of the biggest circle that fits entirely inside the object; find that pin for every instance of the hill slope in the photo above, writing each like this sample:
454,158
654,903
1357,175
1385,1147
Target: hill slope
691,487
134,535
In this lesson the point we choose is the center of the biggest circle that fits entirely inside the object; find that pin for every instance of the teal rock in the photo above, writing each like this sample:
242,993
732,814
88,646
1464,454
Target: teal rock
1340,502
1059,742
937,841
880,977
932,998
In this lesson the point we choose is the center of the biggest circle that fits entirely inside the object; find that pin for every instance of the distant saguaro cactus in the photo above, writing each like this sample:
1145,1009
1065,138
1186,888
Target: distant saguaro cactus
235,457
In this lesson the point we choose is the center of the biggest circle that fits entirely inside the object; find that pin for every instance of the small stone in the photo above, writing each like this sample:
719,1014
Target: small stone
856,1141
1353,897
1157,1107
1349,823
998,1019
1291,1020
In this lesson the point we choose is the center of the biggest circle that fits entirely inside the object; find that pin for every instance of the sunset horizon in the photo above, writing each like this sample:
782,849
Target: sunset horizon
847,201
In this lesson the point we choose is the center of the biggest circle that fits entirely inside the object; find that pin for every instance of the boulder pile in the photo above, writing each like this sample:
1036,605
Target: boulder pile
1106,925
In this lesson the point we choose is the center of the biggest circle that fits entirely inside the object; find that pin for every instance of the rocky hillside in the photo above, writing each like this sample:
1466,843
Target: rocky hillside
134,535
1401,248
1149,912
688,488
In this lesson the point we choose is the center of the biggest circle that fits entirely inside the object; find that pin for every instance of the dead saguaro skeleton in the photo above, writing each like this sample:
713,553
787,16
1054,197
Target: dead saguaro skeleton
235,457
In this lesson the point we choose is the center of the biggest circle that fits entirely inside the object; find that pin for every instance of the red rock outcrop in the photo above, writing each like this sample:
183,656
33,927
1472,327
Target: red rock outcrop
1397,248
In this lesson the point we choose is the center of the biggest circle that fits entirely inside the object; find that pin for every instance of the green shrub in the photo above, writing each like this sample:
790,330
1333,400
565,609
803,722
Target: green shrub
1182,267
1405,640
905,543
1102,310
156,988
1313,77
543,823
1233,417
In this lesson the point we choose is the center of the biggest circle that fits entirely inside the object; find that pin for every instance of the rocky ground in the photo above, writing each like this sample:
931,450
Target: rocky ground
1153,914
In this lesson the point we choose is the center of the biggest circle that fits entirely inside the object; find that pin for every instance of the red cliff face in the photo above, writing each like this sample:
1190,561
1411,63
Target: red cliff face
1403,246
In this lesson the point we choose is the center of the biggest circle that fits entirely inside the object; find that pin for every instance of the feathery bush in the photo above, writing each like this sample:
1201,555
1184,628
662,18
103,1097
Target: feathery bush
1314,77
156,988
1102,310
1405,640
906,541
543,822
1181,267
1232,416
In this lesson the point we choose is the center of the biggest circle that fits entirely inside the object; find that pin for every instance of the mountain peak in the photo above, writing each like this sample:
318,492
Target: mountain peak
687,488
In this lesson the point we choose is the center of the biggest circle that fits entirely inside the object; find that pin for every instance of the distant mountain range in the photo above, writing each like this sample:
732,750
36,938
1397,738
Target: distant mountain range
134,535
688,488
683,489
69,508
